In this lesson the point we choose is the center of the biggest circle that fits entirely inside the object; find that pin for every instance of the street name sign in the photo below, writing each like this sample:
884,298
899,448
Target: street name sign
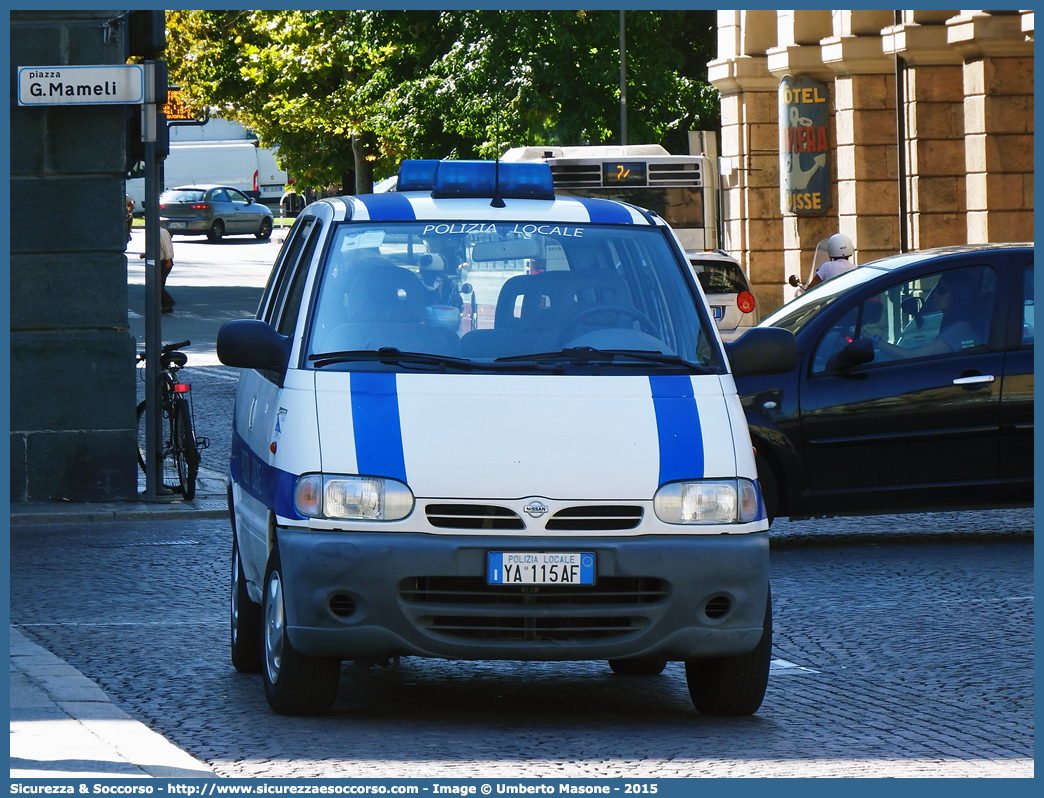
81,85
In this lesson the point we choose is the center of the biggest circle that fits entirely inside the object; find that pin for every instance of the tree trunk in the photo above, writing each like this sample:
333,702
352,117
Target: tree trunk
362,147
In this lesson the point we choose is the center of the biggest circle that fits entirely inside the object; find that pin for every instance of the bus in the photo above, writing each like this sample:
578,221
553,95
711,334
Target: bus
682,189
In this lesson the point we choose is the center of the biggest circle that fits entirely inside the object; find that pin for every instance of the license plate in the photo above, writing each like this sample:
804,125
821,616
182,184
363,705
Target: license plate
719,312
176,225
541,568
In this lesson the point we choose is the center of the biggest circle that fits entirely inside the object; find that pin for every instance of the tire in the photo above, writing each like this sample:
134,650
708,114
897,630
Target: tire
769,486
732,685
216,232
184,450
638,666
294,684
264,232
245,619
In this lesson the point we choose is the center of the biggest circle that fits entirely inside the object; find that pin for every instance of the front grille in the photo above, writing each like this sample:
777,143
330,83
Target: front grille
520,629
472,516
472,590
576,176
675,174
467,607
594,519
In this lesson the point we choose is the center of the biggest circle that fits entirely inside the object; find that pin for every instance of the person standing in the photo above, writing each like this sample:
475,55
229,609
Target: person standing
166,264
840,251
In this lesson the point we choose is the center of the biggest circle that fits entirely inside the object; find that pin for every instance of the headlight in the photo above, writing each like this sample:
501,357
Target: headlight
353,498
707,501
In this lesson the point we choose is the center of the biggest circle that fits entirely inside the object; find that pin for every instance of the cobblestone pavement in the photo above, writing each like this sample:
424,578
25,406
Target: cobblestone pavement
903,646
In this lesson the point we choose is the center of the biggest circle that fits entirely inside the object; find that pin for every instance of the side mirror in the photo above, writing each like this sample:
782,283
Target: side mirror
763,350
857,353
466,288
253,344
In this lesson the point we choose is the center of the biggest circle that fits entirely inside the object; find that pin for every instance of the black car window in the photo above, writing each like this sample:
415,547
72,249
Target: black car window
720,278
181,195
218,195
1027,306
930,316
237,196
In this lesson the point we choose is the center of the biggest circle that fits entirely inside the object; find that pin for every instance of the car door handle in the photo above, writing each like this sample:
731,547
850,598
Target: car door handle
976,380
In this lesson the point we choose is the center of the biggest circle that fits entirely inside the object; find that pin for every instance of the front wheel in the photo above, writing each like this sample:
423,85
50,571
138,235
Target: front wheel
294,684
732,685
184,449
264,232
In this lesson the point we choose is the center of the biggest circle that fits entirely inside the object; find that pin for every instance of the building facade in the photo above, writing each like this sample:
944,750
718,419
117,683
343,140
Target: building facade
928,136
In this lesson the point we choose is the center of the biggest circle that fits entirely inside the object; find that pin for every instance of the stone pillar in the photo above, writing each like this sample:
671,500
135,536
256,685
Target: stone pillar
749,153
867,166
933,85
73,427
998,125
799,54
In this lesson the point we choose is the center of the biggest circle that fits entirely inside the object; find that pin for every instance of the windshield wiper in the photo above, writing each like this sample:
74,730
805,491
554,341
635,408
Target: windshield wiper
587,354
392,356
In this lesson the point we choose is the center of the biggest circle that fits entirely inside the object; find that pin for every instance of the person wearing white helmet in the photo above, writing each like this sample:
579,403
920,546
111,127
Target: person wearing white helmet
840,250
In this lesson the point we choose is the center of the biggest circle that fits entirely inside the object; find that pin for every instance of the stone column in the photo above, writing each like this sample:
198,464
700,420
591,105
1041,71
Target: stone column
933,85
867,166
73,429
799,54
998,125
749,152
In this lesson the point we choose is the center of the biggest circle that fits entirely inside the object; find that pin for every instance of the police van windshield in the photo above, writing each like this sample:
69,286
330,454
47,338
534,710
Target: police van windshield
494,292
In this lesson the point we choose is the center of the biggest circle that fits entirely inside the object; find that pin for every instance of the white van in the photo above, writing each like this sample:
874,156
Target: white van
567,477
236,163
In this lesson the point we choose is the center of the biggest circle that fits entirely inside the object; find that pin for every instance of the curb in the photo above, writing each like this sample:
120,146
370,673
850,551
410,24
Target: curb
210,502
83,734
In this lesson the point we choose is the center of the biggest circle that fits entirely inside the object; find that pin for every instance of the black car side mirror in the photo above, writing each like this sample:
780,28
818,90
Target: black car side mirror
763,350
253,344
860,351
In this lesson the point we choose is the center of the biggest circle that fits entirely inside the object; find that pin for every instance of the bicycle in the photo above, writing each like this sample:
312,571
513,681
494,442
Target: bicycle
180,449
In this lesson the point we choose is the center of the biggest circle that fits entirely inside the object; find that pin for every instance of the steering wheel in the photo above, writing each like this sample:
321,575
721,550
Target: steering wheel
620,310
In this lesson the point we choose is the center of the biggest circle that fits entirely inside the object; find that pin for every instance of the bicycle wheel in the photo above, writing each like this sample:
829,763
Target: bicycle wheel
183,448
141,436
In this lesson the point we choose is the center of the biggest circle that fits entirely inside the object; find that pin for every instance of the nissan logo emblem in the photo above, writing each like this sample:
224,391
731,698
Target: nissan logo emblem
535,509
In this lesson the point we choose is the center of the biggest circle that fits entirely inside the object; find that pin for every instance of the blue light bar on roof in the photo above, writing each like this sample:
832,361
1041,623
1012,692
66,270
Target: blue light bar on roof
417,175
477,179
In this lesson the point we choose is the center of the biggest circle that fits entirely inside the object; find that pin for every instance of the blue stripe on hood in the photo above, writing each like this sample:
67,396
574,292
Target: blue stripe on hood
678,428
375,421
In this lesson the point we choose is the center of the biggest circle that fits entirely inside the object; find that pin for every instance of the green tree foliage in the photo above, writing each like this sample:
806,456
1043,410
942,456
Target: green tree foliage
344,90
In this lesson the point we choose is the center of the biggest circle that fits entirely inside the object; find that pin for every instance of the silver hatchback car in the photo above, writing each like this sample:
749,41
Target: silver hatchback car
728,292
213,211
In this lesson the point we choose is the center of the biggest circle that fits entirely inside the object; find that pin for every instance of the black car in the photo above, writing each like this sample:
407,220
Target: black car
913,389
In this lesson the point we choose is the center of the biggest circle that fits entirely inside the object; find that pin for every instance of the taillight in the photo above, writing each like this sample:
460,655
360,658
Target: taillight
745,301
255,180
201,206
182,387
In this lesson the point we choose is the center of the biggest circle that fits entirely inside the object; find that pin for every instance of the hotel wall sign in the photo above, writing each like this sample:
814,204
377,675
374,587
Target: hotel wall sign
804,147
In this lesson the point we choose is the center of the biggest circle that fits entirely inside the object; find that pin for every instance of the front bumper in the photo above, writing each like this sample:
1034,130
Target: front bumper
354,595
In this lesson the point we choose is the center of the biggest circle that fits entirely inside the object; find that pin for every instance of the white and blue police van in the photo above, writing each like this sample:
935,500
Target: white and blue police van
477,421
